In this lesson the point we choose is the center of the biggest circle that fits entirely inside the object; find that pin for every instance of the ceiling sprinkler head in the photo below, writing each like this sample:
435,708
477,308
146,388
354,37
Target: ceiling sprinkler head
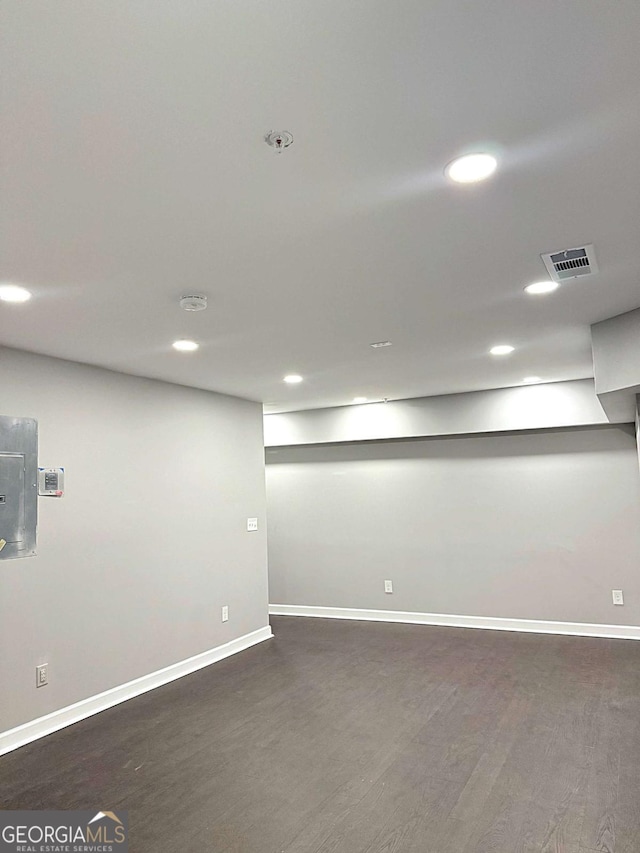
193,303
279,140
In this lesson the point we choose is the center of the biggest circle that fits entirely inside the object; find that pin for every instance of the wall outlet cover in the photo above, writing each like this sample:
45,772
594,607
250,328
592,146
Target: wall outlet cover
42,675
617,596
388,586
252,524
225,613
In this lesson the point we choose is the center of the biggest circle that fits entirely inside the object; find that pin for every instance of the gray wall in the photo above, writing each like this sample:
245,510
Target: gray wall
550,404
616,363
638,425
150,540
616,352
533,526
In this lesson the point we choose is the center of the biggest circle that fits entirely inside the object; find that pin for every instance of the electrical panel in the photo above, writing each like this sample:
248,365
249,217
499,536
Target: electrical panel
18,487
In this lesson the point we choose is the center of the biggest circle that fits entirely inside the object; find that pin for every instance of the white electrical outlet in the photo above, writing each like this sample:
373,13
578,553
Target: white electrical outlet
616,595
225,613
42,675
252,524
388,586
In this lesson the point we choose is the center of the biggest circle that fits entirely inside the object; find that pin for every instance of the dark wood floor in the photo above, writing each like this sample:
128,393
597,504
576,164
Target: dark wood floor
337,737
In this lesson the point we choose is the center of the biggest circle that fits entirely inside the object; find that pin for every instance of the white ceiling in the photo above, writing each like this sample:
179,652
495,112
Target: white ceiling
136,172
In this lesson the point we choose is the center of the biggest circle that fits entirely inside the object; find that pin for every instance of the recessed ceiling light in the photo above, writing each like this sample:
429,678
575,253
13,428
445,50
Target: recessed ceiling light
379,344
13,293
185,346
542,287
501,349
293,378
531,380
471,168
359,400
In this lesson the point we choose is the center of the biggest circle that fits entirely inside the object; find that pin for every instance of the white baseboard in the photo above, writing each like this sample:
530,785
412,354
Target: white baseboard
21,735
492,623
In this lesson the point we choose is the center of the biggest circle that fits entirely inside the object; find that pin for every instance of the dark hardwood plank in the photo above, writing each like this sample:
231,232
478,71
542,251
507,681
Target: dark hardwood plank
351,737
599,828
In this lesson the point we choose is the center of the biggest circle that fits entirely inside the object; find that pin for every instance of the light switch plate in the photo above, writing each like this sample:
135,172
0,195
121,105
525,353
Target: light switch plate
252,524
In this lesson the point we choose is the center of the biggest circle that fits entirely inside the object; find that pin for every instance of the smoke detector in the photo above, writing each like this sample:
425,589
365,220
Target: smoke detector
193,303
571,263
279,140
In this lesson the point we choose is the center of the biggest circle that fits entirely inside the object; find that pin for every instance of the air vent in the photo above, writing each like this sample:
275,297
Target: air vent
571,263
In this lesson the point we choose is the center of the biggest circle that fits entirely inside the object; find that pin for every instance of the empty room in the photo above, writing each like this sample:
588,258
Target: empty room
320,426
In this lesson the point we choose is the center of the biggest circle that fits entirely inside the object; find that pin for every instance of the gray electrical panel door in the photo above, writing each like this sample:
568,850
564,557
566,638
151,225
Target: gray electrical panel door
18,486
12,499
